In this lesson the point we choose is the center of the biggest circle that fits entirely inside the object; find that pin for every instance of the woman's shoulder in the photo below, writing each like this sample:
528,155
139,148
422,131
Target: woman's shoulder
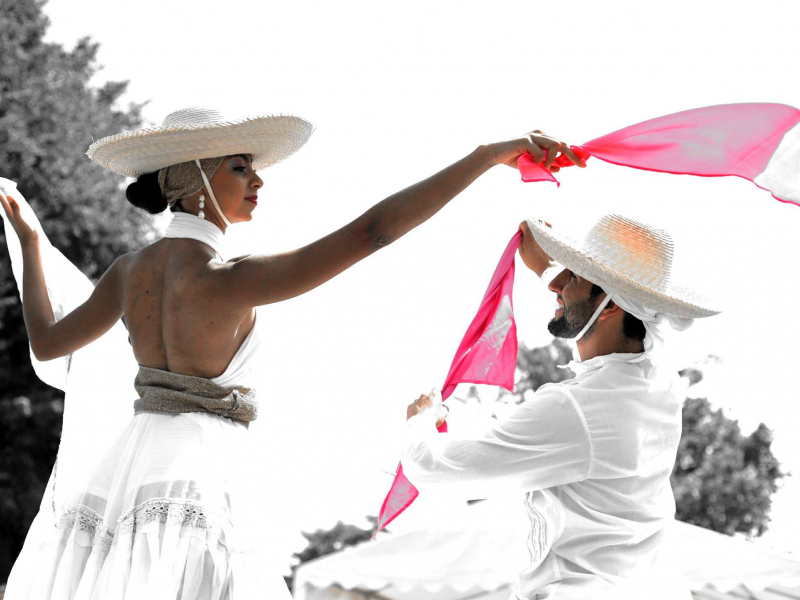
121,264
238,258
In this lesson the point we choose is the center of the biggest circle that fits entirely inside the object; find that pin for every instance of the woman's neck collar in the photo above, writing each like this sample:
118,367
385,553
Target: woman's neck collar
184,225
194,219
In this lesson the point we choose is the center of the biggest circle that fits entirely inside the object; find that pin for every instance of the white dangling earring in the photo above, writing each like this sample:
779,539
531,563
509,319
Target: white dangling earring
211,194
201,214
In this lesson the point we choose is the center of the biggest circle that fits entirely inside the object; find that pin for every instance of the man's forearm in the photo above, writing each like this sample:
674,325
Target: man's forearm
401,212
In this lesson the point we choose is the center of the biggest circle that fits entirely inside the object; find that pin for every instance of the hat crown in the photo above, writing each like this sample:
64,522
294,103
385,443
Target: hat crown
194,116
638,250
625,258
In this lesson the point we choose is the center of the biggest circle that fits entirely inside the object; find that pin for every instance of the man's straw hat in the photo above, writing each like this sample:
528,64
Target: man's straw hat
197,133
627,258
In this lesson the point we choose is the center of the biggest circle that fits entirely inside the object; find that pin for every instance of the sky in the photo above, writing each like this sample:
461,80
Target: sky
397,91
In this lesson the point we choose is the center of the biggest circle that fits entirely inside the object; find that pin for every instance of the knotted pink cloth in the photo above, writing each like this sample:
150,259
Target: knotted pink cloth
757,141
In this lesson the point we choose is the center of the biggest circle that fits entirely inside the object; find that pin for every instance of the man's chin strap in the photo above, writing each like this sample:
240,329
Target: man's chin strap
211,194
591,321
653,322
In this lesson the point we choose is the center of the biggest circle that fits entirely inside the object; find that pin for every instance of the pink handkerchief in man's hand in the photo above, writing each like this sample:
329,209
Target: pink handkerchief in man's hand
487,354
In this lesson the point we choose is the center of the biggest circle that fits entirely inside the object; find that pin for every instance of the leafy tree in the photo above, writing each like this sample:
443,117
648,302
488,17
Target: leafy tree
723,480
49,114
537,366
328,541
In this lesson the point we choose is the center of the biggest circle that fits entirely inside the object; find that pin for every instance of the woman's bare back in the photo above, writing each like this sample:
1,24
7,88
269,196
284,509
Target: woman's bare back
176,316
189,313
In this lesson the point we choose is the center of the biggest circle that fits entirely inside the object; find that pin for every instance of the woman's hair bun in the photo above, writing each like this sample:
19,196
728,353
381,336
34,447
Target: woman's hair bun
145,193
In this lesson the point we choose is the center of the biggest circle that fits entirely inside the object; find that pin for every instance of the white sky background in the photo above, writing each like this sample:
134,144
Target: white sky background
398,91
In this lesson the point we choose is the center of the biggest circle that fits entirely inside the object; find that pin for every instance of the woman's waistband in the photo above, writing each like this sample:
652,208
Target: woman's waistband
173,393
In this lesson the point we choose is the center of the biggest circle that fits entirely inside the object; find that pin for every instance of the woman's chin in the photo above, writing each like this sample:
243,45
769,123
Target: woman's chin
244,216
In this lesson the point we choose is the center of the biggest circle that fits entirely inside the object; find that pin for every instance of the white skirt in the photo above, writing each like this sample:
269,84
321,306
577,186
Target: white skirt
154,520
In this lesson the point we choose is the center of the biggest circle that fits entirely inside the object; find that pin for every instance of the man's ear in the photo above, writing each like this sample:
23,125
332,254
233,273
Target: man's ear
609,310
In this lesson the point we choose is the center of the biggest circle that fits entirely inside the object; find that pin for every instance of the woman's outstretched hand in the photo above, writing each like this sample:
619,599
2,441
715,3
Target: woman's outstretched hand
25,232
542,147
425,401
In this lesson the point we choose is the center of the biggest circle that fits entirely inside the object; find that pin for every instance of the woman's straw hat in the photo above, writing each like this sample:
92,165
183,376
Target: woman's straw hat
626,258
197,133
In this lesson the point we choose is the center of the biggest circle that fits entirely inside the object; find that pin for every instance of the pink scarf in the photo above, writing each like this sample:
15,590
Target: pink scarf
759,142
487,354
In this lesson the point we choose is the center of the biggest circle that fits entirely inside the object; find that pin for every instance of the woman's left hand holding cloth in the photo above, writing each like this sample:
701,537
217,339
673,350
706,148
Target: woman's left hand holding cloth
27,235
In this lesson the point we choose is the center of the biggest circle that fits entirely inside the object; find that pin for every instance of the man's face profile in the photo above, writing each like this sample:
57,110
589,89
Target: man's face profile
576,304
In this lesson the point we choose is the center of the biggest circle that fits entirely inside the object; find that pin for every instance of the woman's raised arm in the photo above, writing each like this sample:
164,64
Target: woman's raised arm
262,279
50,338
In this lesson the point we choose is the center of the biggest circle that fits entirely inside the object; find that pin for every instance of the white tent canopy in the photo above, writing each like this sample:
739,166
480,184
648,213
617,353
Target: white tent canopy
476,553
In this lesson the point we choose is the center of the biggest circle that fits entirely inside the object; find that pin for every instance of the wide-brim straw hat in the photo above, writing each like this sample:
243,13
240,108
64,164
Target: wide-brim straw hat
197,133
627,258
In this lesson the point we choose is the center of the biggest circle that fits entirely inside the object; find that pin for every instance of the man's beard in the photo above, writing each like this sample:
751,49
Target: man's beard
575,318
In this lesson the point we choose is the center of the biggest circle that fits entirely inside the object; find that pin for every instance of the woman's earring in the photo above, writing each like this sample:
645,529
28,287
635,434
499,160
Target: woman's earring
201,214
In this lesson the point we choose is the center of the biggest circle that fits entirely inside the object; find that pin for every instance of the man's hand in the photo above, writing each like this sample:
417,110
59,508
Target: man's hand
531,252
427,401
543,148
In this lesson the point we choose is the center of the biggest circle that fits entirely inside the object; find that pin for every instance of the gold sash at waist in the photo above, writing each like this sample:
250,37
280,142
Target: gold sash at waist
172,393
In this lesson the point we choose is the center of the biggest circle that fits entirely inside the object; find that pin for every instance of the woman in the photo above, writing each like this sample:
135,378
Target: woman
153,515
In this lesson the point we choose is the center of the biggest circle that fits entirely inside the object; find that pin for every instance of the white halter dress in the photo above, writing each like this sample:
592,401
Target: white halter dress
144,505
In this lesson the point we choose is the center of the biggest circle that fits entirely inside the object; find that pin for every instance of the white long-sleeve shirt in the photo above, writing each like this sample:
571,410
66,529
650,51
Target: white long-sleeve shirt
593,456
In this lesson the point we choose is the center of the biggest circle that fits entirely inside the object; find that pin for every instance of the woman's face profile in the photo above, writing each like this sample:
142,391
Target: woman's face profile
236,186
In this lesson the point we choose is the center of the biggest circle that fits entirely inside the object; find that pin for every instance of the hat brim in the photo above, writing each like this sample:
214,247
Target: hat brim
674,300
268,139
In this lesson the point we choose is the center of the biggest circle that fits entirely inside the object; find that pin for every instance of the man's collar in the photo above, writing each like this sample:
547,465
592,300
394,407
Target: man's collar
580,367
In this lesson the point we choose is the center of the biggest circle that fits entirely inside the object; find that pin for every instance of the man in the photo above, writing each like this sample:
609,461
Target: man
593,454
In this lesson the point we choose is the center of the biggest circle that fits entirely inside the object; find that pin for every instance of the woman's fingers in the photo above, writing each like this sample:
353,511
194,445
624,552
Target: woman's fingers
10,206
535,151
552,147
23,229
12,209
543,150
570,154
552,154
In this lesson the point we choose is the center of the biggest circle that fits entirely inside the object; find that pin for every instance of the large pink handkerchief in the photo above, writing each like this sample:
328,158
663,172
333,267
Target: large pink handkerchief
487,354
758,141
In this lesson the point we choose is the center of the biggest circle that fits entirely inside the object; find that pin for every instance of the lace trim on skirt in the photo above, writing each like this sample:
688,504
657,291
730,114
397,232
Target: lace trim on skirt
165,511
